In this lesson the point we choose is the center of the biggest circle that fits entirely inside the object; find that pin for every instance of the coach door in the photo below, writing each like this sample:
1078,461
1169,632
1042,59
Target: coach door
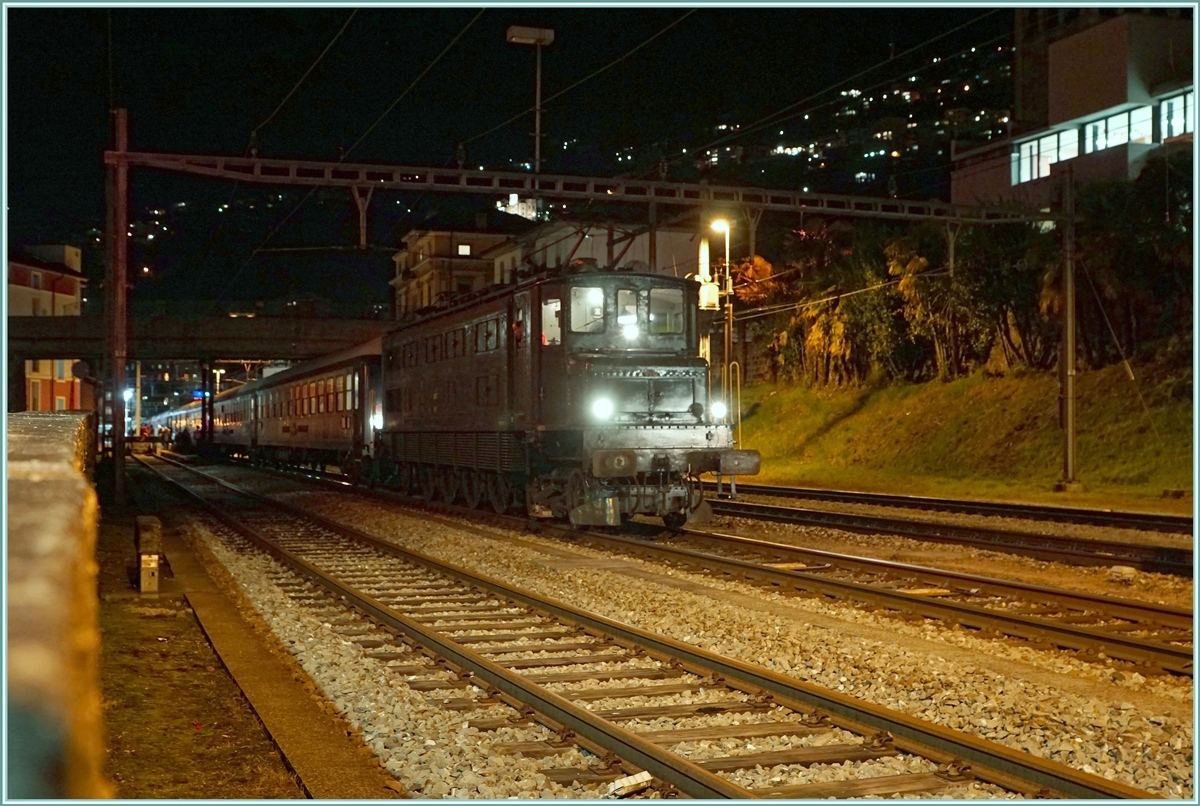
520,375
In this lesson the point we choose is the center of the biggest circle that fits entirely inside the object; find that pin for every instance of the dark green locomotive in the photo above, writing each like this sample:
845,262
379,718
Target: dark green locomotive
574,395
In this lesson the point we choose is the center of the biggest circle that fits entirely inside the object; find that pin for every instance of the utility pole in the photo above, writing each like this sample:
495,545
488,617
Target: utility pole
118,248
1067,374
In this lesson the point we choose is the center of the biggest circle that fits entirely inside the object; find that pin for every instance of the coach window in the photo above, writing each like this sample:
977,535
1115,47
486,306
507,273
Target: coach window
551,323
666,310
587,309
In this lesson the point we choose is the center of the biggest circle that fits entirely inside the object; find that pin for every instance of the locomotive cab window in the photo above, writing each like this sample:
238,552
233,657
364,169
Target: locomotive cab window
627,307
551,321
666,310
587,310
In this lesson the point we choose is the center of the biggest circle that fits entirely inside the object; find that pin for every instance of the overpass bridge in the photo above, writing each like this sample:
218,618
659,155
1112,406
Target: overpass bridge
207,339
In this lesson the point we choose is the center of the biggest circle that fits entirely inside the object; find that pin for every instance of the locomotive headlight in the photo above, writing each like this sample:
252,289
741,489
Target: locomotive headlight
377,421
719,411
602,408
631,332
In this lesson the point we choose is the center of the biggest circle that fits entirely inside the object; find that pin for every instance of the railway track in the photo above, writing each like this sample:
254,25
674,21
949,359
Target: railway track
1157,638
492,645
1148,521
1161,559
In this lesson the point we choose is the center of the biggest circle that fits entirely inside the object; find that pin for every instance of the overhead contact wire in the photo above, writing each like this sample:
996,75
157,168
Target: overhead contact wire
342,158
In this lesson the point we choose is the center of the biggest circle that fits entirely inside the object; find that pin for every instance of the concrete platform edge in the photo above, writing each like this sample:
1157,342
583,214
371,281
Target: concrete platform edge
329,763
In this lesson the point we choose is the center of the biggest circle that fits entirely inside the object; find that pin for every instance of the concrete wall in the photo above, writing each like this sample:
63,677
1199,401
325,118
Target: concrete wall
55,738
1115,65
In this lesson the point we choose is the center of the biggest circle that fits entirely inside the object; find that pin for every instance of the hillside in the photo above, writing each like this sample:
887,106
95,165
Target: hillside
982,437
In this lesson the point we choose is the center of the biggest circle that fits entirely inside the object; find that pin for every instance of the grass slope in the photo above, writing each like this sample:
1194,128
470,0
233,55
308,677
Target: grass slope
979,437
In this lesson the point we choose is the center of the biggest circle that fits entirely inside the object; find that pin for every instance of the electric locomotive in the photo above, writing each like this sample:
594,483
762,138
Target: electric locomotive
577,395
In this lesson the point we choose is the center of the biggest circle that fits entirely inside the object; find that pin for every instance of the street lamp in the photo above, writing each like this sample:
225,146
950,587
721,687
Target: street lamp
524,35
218,373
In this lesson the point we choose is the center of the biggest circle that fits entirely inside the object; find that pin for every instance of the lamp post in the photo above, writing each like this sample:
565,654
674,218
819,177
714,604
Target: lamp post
722,225
524,35
218,373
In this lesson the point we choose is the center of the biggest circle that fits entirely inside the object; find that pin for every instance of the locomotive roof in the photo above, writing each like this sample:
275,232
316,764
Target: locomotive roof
498,291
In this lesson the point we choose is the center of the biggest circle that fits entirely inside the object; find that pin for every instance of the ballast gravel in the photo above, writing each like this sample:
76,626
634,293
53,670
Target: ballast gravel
1113,740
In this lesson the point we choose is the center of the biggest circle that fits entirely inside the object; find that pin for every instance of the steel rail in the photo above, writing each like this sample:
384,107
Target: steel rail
674,770
1165,656
1149,521
992,762
1131,609
1162,559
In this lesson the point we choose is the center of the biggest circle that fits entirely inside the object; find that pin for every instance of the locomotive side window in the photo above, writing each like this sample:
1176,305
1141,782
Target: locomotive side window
587,310
486,336
551,322
666,310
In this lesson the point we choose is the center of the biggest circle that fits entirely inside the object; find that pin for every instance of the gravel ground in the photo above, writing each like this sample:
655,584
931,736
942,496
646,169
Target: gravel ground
1147,749
1117,724
1081,531
1127,582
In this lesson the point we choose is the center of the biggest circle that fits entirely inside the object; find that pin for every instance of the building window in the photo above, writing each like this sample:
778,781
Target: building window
1119,129
464,249
1032,160
60,369
60,404
35,279
1175,115
35,396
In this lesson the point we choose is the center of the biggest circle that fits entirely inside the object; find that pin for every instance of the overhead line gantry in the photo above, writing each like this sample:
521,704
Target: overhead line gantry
363,179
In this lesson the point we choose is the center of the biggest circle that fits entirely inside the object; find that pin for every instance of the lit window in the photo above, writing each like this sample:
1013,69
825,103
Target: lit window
1068,145
551,324
587,310
1175,115
464,249
1141,125
627,307
666,310
1094,138
1118,130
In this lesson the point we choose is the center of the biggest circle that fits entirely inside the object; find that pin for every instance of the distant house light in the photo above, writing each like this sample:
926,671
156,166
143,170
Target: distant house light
464,249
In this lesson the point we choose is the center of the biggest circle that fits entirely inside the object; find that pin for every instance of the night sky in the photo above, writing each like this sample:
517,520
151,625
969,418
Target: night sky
199,80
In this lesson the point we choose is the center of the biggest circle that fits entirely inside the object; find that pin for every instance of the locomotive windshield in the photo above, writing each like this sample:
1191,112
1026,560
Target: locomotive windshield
626,313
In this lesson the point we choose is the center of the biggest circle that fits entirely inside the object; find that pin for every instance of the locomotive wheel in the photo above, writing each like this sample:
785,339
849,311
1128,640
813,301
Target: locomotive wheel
473,488
447,484
403,480
426,481
498,492
674,520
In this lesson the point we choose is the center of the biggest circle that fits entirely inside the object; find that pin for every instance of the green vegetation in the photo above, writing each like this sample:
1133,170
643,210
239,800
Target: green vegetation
847,301
981,437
